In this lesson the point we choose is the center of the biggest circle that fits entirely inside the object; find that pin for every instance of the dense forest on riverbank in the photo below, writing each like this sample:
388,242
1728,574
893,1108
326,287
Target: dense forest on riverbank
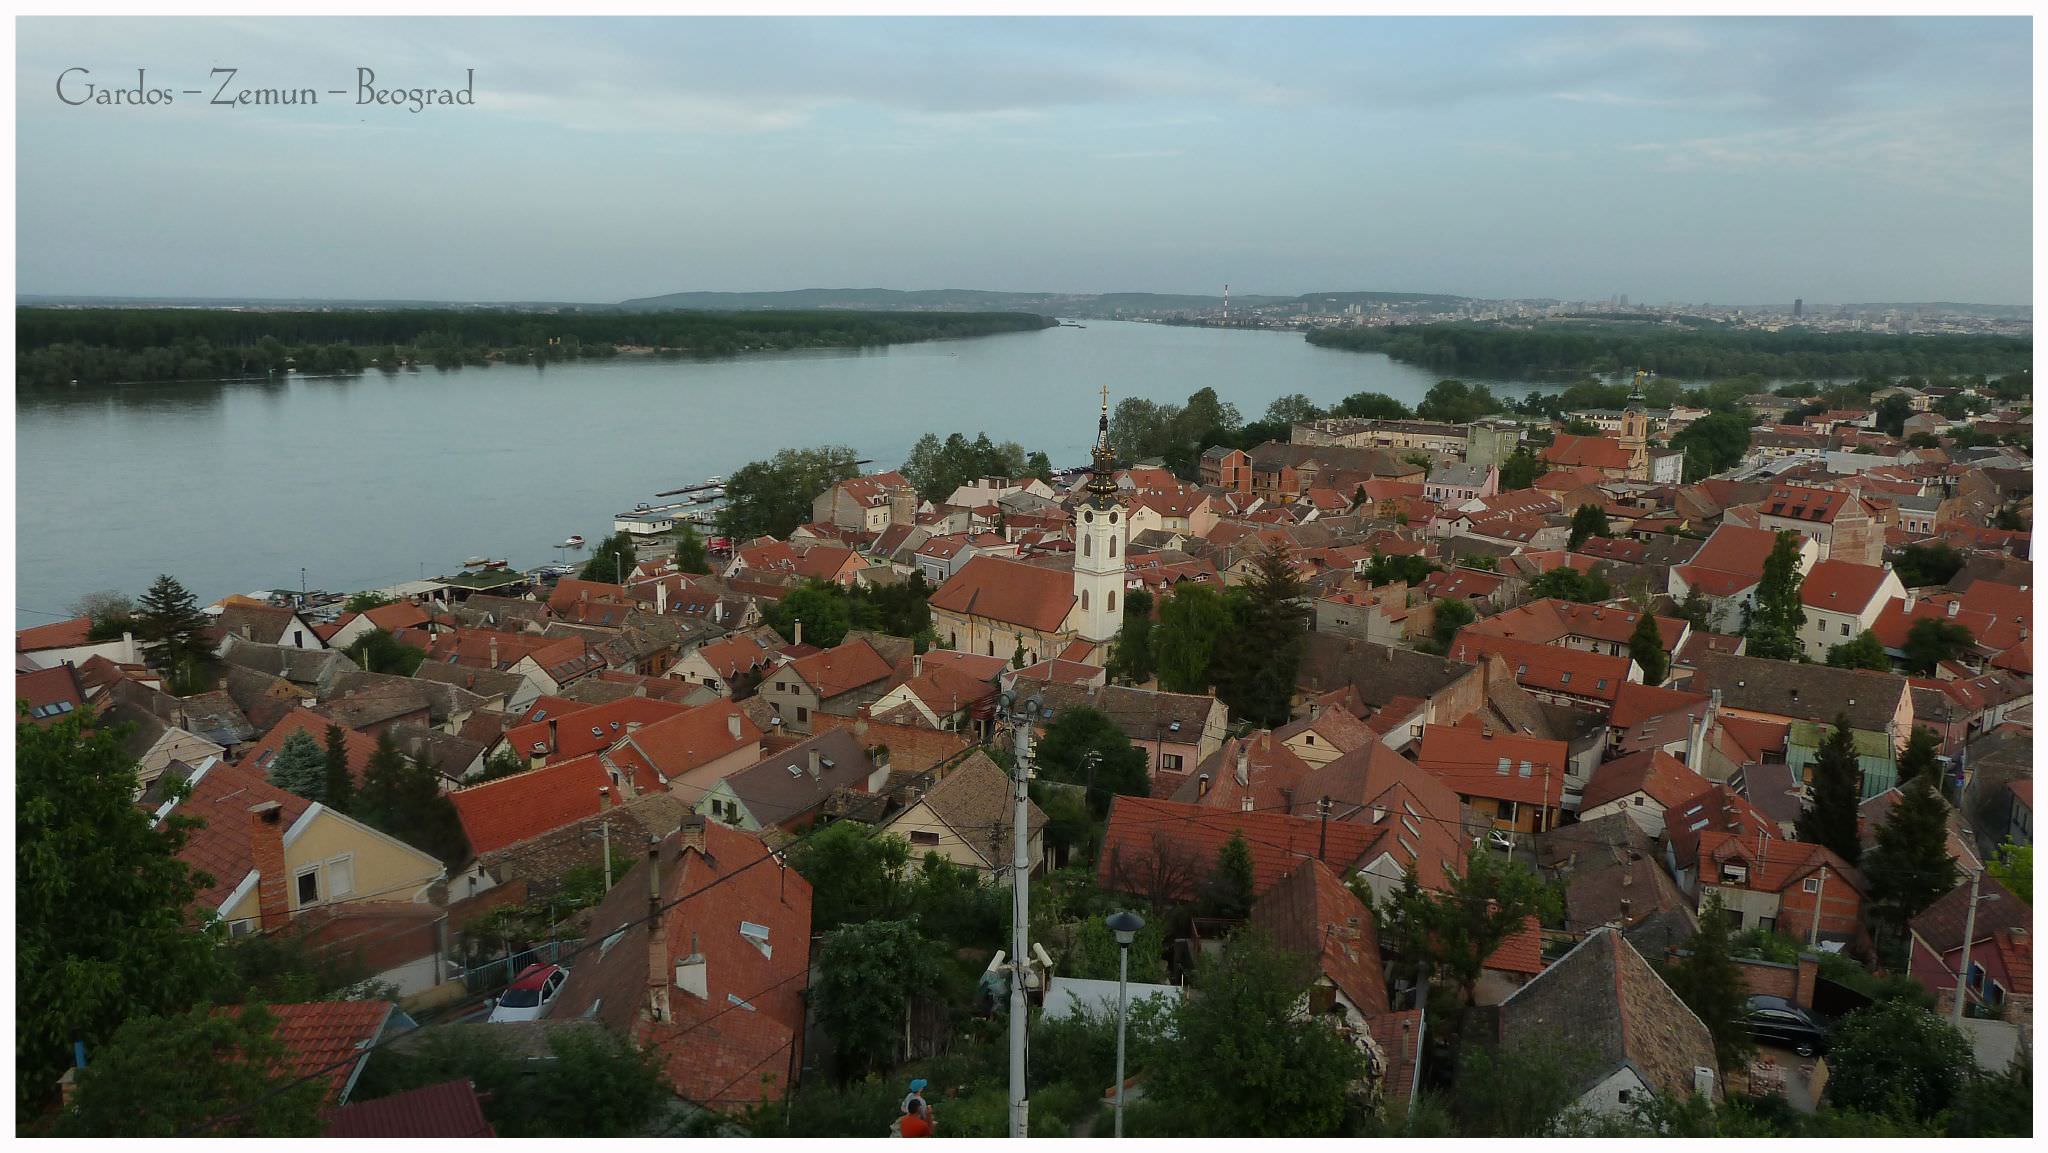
57,346
1688,353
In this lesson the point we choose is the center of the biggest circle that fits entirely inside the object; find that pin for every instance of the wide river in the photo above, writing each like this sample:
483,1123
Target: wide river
369,480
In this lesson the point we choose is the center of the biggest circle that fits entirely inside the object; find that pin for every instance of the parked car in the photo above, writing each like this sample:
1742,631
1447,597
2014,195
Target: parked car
530,994
1501,839
1776,1021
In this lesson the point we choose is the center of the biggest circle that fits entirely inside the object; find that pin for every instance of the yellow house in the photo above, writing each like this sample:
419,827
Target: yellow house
968,818
270,855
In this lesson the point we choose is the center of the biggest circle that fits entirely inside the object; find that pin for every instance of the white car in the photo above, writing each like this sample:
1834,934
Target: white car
1501,839
530,994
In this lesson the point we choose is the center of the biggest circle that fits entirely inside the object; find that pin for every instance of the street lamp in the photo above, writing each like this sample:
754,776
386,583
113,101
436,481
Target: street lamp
1125,925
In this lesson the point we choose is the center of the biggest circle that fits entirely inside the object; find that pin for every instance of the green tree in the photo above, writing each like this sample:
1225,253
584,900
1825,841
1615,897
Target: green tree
690,554
300,767
1892,414
1038,466
1895,1059
1289,1072
1995,1104
198,1072
1372,404
1932,640
936,468
596,1084
1921,565
1522,1090
1229,889
1909,866
377,651
1457,402
1385,569
1450,616
1567,583
1588,520
1775,621
1923,747
81,843
1830,817
1130,655
403,799
1268,637
1864,652
1646,648
1291,408
612,560
1456,931
856,874
2013,865
1712,444
363,602
1520,469
771,497
1707,978
1082,746
902,609
820,606
867,974
172,629
1092,953
1193,620
337,785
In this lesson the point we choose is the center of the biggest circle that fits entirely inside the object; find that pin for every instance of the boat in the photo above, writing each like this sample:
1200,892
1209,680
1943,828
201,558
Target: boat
714,481
476,562
573,542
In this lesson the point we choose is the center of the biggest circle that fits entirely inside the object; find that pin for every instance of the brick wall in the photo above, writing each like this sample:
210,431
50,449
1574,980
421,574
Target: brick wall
1775,979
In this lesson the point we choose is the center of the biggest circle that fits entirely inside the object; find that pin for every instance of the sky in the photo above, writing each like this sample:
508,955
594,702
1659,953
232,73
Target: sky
1674,160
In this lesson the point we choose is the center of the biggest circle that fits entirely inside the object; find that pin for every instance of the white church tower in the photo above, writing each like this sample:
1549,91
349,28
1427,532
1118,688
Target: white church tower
1101,532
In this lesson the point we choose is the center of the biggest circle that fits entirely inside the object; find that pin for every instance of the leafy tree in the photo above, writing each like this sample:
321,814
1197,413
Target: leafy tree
379,652
1130,657
1892,414
936,468
690,554
902,609
1923,746
1894,1059
820,606
1084,747
1289,1073
102,930
856,874
1711,984
1291,408
300,767
1997,1104
1910,865
1230,889
1456,931
1269,634
2009,520
595,1084
1193,620
1646,648
1520,469
2013,865
1830,817
1774,623
1567,583
1457,402
1588,520
1932,640
172,628
1451,615
363,602
198,1072
1386,568
613,559
867,974
111,614
771,497
1712,444
1864,652
337,785
1039,466
1092,952
1373,404
403,798
1519,1091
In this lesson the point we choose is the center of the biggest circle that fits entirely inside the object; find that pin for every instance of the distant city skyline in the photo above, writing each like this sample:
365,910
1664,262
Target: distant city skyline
1736,161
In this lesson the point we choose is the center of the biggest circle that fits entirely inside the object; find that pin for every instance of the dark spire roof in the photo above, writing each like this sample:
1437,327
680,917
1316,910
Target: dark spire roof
1102,473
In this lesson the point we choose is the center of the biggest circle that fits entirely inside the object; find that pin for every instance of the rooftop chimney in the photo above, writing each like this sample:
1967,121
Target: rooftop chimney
799,637
494,651
1953,605
604,798
266,847
1244,764
691,974
816,768
1202,786
690,835
917,664
657,938
732,724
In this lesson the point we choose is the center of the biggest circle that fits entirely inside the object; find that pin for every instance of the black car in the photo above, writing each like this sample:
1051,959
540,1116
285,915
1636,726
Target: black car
1776,1021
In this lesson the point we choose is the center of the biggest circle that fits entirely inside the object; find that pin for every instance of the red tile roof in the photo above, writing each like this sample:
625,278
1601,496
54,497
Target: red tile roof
359,747
59,635
1522,952
1170,846
398,615
842,669
1714,809
1736,550
1010,592
1841,586
587,730
1550,621
448,1110
49,689
330,1039
1637,702
1312,913
1466,759
1588,451
694,738
221,797
518,808
1798,502
1547,667
1663,777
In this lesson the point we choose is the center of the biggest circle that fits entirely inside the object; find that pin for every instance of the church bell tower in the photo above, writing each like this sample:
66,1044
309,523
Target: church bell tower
1101,534
1635,431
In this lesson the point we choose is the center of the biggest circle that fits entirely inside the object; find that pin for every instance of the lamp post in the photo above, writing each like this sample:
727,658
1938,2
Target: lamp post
1125,925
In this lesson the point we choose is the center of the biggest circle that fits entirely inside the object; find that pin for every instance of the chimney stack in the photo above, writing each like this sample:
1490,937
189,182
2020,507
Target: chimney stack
732,724
917,664
690,835
494,651
816,768
266,848
1953,605
660,598
799,637
657,938
1244,764
604,798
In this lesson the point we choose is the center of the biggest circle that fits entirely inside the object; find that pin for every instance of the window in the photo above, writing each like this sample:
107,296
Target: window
1767,924
1087,546
341,876
1567,679
1084,600
309,887
923,837
781,687
1845,628
1170,762
1112,594
1639,798
1112,540
802,714
1810,885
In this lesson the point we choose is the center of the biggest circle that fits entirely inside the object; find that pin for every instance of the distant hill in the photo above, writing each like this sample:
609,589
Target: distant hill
966,299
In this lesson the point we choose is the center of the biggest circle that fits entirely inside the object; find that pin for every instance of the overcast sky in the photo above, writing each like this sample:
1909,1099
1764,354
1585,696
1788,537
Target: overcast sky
1726,161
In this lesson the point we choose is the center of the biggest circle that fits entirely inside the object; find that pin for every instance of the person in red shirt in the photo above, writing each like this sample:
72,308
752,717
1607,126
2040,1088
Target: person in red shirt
917,1120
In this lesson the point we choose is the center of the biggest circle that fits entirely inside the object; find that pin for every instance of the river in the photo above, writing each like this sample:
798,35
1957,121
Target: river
368,480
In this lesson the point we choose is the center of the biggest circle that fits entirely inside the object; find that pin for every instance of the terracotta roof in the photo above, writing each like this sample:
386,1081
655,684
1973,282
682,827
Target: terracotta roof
694,738
51,694
57,635
1522,952
1736,550
330,1039
1801,503
1638,701
1400,1037
1661,776
1010,592
221,797
566,736
911,750
1841,586
1550,621
451,1109
1171,846
359,747
1310,912
1469,761
1588,451
1940,924
398,615
843,669
1548,667
518,808
1714,809
1272,776
1602,1001
1774,863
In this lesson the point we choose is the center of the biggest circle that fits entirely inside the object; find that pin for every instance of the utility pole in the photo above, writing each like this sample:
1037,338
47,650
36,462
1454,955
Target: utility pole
1963,965
1020,913
1323,833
